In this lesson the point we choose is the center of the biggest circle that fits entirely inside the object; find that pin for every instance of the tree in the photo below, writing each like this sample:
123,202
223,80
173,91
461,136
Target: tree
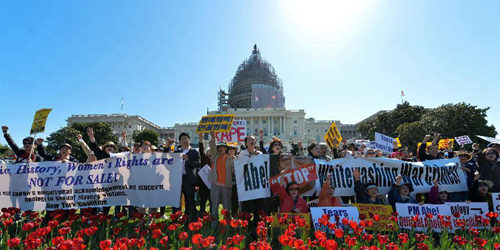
5,151
147,135
412,123
103,133
387,122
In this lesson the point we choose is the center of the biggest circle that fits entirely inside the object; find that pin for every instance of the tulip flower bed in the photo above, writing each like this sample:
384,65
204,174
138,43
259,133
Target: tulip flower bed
84,229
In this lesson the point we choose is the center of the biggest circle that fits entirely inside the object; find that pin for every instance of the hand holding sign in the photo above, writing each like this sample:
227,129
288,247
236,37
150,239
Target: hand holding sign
399,178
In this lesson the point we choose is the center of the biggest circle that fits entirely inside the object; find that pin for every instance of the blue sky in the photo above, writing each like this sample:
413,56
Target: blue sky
338,60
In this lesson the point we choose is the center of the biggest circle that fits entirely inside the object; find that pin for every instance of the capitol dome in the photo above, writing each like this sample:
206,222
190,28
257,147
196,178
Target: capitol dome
256,85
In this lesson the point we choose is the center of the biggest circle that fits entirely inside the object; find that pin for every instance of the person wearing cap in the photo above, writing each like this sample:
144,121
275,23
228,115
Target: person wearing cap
480,189
400,192
22,154
495,146
489,167
220,177
326,195
107,149
438,195
63,156
290,200
367,194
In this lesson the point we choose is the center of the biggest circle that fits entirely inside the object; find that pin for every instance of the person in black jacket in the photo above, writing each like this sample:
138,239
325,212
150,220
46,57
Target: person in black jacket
191,159
203,191
63,156
107,148
22,154
367,194
432,149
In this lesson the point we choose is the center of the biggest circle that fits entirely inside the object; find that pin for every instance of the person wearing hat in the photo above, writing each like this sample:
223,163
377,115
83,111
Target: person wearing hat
220,177
438,195
63,156
107,149
367,194
489,167
480,189
400,192
326,195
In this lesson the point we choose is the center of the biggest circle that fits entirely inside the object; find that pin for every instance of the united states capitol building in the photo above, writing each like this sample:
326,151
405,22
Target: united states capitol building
255,94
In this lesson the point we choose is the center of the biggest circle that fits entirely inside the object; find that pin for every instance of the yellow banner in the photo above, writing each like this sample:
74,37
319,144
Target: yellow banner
443,143
332,136
215,123
383,211
39,121
289,218
399,143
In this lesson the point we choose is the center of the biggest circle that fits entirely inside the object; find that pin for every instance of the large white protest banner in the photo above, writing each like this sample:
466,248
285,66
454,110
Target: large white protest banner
236,135
252,177
143,180
383,142
415,216
490,139
468,214
383,172
336,215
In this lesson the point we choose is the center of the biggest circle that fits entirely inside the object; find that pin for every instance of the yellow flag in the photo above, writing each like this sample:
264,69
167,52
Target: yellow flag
39,121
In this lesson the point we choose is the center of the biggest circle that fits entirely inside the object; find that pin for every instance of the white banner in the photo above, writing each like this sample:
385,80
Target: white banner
495,197
252,177
143,180
203,174
490,139
237,134
383,142
414,216
468,213
383,172
350,213
463,140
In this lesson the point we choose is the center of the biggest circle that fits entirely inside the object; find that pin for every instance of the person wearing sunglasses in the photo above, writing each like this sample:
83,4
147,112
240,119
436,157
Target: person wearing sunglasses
22,154
327,195
290,200
480,189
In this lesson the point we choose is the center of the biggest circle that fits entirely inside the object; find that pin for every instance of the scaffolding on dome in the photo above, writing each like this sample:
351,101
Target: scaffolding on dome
254,71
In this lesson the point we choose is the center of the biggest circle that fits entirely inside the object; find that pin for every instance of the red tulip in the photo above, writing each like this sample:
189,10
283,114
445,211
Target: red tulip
367,237
480,242
382,239
376,217
164,240
196,239
421,237
57,240
27,226
351,241
331,245
403,237
422,246
183,236
339,233
391,246
156,233
64,230
105,244
14,242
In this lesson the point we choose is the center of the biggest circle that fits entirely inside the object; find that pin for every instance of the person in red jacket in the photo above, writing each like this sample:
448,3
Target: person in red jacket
290,201
326,195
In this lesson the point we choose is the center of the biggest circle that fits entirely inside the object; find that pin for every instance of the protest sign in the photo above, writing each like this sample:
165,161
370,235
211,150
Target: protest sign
495,197
332,136
336,215
312,203
384,211
415,216
398,141
383,172
463,140
489,139
301,176
39,121
383,142
468,213
252,177
362,142
203,174
236,135
282,220
215,123
142,180
444,143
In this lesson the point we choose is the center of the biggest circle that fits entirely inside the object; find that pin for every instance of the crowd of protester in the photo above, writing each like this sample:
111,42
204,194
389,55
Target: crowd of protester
481,166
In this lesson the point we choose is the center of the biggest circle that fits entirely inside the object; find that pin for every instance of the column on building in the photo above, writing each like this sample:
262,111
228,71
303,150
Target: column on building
272,125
